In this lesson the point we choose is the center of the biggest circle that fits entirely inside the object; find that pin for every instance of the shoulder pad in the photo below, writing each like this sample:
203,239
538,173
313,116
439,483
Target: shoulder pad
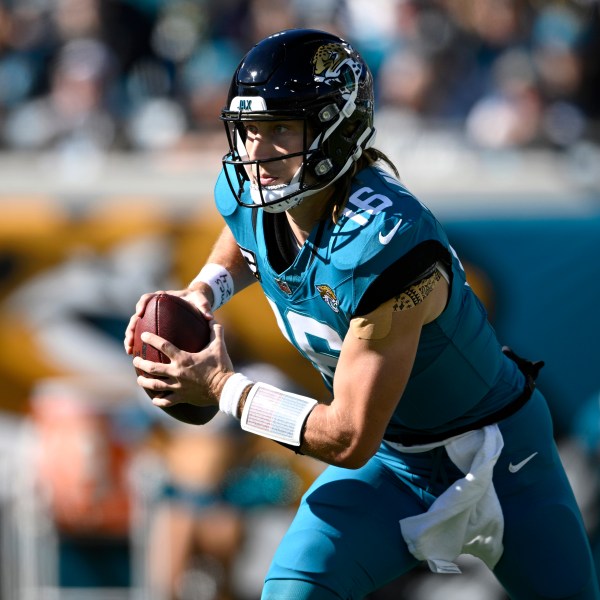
224,198
380,222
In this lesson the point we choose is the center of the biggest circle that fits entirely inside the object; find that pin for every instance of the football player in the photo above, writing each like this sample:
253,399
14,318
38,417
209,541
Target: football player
437,440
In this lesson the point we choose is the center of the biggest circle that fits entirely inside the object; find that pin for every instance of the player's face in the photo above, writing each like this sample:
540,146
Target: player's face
273,139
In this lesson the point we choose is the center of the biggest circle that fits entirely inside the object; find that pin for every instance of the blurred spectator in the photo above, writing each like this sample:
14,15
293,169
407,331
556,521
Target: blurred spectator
194,533
72,111
150,74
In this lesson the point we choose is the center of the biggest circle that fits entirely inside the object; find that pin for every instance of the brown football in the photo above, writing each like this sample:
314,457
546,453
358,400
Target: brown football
182,324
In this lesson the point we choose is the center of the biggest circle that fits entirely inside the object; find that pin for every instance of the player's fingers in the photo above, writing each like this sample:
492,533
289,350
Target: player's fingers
164,346
205,308
148,383
141,303
155,378
129,332
140,307
158,389
151,368
218,332
199,300
164,401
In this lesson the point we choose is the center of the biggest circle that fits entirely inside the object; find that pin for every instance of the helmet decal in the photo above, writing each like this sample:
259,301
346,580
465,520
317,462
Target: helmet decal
328,63
248,104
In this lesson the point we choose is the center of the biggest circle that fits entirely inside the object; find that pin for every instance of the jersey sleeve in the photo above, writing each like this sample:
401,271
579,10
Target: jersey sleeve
388,241
415,265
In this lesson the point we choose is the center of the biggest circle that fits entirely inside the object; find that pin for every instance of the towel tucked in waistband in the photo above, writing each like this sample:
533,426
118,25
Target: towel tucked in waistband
466,518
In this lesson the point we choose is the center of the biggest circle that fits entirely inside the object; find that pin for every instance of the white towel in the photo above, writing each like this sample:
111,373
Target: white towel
466,518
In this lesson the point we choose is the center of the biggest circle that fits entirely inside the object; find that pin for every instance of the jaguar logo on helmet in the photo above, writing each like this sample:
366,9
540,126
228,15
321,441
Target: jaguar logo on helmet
329,296
329,61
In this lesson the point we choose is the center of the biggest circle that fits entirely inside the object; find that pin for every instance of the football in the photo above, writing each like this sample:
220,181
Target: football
182,324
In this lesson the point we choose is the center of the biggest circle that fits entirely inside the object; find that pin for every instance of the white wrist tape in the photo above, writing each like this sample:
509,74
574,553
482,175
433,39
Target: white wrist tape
276,414
232,392
220,281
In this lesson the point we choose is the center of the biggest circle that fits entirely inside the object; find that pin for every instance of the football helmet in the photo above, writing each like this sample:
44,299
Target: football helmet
306,75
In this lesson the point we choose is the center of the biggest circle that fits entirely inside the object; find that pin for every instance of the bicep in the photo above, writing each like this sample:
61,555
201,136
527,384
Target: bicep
371,374
370,378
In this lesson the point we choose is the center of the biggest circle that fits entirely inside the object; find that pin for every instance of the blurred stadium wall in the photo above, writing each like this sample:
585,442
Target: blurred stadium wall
81,238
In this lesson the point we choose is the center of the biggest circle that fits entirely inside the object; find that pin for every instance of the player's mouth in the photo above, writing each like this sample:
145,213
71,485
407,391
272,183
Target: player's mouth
268,182
269,187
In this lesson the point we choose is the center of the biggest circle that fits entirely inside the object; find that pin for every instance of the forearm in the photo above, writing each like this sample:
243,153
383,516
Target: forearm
370,378
226,254
326,431
332,435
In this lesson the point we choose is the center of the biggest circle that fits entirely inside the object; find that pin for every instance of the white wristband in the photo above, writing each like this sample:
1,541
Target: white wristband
276,414
220,281
232,392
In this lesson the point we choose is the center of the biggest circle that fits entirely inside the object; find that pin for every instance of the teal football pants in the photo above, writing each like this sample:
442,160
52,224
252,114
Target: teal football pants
345,540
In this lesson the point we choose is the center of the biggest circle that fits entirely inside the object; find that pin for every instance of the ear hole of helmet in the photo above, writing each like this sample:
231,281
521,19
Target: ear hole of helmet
335,150
349,131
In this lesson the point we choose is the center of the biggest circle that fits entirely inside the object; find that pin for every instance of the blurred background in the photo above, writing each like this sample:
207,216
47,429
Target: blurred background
110,144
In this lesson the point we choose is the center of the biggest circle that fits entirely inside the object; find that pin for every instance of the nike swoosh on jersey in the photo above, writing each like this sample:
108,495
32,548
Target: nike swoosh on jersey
514,468
386,239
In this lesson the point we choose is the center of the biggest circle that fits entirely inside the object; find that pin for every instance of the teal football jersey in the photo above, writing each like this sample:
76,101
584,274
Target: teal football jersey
382,242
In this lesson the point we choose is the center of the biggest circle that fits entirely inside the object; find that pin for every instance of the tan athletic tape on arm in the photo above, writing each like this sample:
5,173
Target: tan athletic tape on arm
377,324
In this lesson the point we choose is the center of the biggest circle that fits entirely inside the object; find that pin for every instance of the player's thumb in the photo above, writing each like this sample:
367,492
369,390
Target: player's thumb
217,333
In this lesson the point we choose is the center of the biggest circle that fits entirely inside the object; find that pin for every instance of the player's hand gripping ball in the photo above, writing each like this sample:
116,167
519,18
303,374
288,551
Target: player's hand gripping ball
182,324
